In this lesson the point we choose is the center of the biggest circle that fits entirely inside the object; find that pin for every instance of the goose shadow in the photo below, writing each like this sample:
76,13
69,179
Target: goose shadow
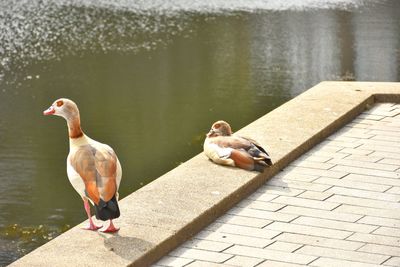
129,248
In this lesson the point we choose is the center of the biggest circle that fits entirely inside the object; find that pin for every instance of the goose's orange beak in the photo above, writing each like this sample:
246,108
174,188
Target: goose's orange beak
49,111
211,133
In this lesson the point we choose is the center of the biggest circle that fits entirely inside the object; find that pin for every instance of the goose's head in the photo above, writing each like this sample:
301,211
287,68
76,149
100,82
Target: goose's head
63,107
220,128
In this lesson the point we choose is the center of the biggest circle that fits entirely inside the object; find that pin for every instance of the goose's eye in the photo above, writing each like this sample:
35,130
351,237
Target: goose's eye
60,103
216,126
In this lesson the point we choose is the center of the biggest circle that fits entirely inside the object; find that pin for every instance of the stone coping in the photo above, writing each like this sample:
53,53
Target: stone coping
168,211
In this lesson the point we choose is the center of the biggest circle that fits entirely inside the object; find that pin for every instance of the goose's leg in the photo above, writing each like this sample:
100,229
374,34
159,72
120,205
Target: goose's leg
91,226
111,228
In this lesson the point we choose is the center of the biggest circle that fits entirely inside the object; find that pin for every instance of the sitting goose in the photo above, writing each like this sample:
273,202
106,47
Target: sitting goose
224,148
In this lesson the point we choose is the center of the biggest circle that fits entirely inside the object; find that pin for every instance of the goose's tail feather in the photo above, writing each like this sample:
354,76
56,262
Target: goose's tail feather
107,210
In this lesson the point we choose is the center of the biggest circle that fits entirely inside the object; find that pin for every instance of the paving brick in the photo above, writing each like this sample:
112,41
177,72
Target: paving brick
375,239
394,121
308,230
234,239
312,164
241,220
243,230
333,173
386,213
358,125
374,117
362,164
335,155
385,127
391,155
315,158
281,190
361,134
206,245
270,254
173,261
363,194
340,216
357,152
381,249
389,231
380,221
262,214
260,205
385,142
372,122
346,129
258,195
385,107
296,176
284,246
269,263
333,224
386,138
290,184
303,202
315,195
243,261
328,262
364,158
372,179
352,184
394,190
343,144
355,133
326,147
342,138
390,161
364,202
394,261
365,171
375,147
343,254
198,263
198,254
382,107
390,116
319,241
378,132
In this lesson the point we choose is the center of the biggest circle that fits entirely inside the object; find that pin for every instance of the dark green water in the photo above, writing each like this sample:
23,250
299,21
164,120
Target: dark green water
150,83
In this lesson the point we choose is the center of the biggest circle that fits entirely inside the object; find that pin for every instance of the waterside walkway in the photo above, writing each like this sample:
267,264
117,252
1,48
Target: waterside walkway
336,202
337,205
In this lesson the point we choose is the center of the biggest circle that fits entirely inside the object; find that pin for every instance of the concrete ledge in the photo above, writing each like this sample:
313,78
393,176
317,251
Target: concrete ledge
168,211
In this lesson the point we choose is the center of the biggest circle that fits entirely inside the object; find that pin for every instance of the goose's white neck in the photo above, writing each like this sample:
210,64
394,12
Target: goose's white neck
77,142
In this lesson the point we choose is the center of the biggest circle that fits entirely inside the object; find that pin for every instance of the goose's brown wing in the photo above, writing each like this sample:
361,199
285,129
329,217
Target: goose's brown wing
97,167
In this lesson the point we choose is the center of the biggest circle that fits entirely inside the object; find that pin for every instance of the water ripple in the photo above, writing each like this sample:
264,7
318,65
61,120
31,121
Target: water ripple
48,30
45,30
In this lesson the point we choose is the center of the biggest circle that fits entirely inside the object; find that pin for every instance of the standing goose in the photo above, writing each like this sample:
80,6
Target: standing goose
92,167
224,148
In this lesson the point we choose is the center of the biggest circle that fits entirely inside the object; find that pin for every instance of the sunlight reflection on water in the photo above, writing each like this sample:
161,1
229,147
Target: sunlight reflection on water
41,30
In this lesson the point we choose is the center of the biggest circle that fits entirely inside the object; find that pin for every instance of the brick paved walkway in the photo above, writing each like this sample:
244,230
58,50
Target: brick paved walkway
338,205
